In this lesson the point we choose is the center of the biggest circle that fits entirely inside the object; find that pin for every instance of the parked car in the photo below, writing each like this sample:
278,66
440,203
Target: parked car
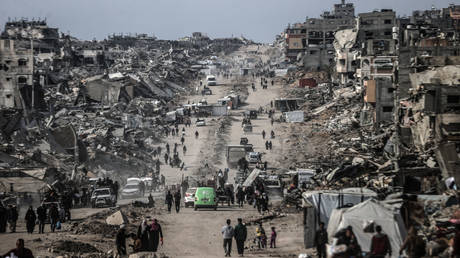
200,122
103,197
247,128
274,186
189,198
205,197
254,157
244,141
206,91
131,190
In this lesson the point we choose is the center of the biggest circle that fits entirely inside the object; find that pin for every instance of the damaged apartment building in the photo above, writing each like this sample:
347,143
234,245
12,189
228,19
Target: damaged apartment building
311,42
407,70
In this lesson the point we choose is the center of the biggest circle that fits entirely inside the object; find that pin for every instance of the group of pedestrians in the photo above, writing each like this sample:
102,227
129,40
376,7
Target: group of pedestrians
176,199
147,239
240,234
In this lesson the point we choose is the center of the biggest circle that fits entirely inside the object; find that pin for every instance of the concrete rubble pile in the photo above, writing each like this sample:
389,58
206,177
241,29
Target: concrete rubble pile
384,116
91,108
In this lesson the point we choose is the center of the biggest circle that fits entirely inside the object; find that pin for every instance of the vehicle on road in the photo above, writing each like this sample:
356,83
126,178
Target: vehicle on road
205,197
132,190
189,197
211,80
103,197
206,91
247,128
254,157
251,114
273,186
244,141
200,122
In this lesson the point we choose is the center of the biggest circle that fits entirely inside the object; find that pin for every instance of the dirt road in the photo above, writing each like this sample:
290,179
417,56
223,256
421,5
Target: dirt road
197,233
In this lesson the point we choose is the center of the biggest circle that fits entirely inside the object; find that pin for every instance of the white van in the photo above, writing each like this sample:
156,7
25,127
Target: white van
211,80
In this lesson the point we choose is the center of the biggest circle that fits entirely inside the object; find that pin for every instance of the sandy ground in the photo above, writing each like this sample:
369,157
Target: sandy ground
197,233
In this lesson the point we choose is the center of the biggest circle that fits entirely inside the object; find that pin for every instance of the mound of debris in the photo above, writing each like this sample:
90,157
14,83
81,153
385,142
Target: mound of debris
74,247
95,227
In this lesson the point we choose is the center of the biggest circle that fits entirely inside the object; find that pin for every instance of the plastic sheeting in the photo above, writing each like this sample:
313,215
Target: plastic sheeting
325,201
370,210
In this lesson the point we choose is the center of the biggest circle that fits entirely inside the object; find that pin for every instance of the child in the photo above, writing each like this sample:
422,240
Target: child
273,239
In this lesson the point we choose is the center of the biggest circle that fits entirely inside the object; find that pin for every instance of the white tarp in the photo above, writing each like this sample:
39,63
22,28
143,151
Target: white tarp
371,210
254,174
294,116
171,116
325,201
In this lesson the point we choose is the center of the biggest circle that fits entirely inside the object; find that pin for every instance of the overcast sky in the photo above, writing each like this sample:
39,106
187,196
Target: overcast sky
259,20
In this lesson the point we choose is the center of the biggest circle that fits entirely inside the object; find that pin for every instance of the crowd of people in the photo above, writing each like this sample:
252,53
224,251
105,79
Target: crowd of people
147,238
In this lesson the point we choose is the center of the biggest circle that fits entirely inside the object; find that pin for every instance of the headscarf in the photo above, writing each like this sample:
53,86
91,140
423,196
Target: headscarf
155,226
143,226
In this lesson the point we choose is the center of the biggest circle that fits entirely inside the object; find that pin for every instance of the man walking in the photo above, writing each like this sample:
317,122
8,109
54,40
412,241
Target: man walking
41,214
240,236
177,198
321,241
227,233
12,218
30,220
169,200
54,217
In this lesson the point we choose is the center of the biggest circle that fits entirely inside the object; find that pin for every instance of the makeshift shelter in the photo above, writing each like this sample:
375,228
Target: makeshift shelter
318,206
364,214
28,180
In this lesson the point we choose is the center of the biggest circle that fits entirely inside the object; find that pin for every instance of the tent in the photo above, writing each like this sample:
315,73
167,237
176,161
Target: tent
364,213
327,200
318,206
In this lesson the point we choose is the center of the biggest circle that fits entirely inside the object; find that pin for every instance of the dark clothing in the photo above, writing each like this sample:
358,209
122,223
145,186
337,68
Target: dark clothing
30,220
177,198
321,237
240,234
380,245
456,251
169,201
121,241
3,219
227,246
23,253
143,236
41,214
155,234
12,218
54,217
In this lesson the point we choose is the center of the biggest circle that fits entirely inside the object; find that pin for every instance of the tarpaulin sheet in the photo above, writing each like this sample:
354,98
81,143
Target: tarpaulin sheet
21,184
370,210
254,174
325,201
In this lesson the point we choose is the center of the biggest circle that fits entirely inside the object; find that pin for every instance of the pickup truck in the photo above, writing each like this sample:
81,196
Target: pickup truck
103,197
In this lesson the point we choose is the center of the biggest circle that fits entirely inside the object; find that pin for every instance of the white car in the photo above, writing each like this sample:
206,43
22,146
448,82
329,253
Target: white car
131,190
211,80
103,197
254,157
200,122
189,198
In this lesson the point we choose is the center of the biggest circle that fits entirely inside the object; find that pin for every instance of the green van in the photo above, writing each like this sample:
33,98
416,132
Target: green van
205,197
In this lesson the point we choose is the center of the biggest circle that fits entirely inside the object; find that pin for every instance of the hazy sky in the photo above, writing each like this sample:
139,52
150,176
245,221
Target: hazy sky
259,20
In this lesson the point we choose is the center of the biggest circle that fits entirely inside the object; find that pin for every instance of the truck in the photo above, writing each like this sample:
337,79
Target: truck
211,80
103,197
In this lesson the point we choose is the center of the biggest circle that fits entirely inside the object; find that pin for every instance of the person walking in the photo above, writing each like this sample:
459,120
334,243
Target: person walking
241,234
261,237
169,200
143,235
177,198
196,134
270,145
12,217
263,134
3,218
414,244
321,241
228,233
184,149
53,216
167,148
41,214
380,244
273,238
120,240
155,235
30,220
